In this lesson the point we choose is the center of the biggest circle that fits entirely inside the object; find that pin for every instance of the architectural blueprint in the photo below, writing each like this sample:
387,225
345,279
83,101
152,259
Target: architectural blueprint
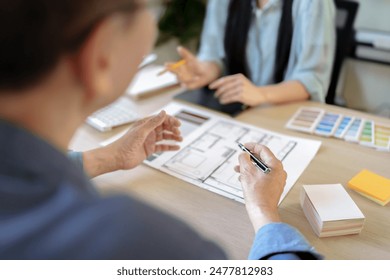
209,151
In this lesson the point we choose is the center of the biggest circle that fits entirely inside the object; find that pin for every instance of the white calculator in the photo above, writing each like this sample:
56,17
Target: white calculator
118,113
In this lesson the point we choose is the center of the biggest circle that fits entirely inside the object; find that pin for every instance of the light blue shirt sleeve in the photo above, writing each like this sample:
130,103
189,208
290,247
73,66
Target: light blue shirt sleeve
212,38
76,158
281,241
312,47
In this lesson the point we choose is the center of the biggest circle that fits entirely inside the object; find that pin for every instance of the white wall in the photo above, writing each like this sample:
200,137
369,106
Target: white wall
374,14
367,85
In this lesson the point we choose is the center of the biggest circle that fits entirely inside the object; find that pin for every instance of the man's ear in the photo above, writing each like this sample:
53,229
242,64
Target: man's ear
95,60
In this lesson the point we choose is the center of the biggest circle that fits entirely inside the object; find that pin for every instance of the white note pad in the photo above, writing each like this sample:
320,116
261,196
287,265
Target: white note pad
147,82
332,202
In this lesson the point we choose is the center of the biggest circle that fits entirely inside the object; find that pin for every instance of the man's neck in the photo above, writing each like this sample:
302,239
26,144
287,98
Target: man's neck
51,117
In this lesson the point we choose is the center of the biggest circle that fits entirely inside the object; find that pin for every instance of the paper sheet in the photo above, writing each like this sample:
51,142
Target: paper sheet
209,151
147,81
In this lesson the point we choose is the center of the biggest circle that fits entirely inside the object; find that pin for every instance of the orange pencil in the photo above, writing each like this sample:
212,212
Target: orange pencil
172,67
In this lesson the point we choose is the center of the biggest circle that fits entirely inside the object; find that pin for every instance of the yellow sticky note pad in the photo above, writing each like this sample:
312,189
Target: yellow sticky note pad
372,186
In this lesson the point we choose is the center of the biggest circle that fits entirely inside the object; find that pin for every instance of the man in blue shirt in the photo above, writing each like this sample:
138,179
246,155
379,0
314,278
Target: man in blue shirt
57,68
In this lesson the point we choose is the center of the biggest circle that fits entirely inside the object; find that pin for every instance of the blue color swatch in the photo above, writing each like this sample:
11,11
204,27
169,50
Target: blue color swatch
327,124
354,131
342,127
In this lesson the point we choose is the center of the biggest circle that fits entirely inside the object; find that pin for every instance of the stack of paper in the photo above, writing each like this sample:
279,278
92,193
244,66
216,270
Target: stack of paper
372,186
148,82
330,210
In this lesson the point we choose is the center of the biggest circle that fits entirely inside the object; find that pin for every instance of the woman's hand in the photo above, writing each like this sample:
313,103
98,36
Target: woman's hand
194,73
237,88
140,141
262,191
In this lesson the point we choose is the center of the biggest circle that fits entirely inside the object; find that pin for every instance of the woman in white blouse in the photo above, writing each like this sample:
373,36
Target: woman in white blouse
263,51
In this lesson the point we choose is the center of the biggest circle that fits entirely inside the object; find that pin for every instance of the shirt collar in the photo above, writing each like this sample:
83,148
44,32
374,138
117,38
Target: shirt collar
271,3
26,157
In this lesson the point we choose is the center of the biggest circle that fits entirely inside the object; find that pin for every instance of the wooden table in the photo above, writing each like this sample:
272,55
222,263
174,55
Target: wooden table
226,222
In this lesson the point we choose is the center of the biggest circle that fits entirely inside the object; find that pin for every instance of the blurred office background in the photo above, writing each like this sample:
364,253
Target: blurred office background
364,82
365,85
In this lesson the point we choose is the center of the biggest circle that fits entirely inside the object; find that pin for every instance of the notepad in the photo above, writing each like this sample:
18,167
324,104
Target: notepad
372,186
330,210
147,82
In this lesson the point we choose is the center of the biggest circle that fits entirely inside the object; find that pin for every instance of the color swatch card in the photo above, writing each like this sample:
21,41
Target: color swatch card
343,127
382,137
367,134
353,133
372,186
328,124
330,210
353,129
305,119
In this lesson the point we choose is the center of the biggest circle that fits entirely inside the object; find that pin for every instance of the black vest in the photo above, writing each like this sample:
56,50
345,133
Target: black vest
283,46
236,36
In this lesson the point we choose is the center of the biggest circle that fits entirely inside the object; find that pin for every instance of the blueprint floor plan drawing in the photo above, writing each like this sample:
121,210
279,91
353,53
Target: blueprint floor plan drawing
209,151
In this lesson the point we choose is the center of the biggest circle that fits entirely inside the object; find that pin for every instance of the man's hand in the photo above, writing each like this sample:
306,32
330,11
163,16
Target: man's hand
140,141
262,191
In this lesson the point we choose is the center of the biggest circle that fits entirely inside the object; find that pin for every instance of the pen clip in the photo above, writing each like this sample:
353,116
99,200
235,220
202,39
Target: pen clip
256,161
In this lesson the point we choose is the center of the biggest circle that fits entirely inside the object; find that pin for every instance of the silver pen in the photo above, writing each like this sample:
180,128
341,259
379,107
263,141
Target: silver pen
263,167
